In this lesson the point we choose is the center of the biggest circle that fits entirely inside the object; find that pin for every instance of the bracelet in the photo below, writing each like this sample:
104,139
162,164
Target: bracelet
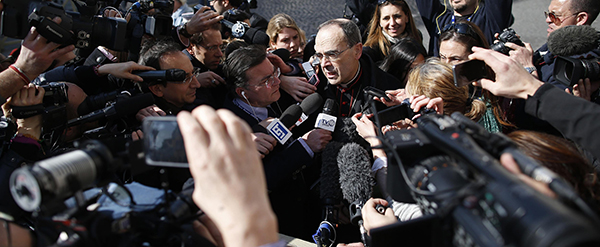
20,73
530,69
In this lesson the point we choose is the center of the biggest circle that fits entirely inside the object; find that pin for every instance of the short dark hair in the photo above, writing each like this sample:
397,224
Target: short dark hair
197,38
240,61
592,7
350,29
153,50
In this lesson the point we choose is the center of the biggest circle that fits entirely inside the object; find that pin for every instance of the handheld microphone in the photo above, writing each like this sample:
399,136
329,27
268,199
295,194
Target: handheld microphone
326,120
279,128
309,105
573,40
282,53
120,109
162,75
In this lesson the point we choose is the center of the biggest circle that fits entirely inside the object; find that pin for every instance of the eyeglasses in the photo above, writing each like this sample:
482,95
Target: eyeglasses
214,47
331,55
380,2
461,28
555,18
188,78
268,83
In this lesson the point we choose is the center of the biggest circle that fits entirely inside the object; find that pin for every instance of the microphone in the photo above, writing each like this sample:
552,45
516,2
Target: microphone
356,182
309,105
573,40
282,53
99,101
279,128
326,120
250,35
119,109
162,75
330,194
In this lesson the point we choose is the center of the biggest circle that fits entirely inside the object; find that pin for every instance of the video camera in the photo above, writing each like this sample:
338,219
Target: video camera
569,71
82,29
233,23
53,107
158,24
449,166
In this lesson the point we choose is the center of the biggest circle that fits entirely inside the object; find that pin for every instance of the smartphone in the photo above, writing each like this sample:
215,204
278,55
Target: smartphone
469,71
371,91
310,73
163,143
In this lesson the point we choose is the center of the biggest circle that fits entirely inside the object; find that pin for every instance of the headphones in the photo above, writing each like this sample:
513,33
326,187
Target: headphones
244,95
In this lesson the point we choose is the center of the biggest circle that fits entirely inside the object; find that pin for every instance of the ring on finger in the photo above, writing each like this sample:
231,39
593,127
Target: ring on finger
214,81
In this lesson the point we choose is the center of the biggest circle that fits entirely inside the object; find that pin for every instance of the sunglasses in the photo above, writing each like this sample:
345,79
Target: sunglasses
461,28
556,18
380,2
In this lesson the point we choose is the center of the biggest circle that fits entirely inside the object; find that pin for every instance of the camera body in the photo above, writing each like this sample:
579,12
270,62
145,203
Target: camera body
81,29
507,35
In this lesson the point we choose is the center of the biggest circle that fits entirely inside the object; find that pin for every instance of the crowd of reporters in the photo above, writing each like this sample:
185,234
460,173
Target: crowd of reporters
263,157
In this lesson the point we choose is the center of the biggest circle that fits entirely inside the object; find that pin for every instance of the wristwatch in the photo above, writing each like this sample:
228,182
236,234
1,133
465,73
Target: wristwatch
183,31
530,69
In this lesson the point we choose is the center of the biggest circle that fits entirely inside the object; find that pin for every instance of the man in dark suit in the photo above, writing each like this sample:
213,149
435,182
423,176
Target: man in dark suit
254,90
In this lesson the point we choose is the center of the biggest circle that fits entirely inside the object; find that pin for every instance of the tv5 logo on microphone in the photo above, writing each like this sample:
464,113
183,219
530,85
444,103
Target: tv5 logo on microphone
279,131
326,122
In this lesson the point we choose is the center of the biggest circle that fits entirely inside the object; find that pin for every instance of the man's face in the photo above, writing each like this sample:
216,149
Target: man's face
339,62
178,93
263,85
462,5
209,51
561,10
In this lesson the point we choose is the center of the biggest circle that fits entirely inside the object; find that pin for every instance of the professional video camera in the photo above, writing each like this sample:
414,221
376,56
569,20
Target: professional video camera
159,218
449,166
52,108
82,29
232,23
569,71
507,35
158,24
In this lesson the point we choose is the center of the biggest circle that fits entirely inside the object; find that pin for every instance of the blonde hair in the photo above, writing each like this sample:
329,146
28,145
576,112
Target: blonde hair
434,79
376,37
281,21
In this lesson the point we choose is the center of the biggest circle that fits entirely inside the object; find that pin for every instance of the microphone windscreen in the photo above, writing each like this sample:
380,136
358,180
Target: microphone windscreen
356,179
282,53
330,174
133,105
311,103
291,115
257,37
573,40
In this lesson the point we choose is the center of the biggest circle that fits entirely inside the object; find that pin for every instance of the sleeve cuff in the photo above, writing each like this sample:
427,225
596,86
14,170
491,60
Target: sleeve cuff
306,147
379,164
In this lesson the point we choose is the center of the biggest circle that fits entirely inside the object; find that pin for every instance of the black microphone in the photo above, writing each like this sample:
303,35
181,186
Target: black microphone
99,101
330,194
280,129
326,120
282,53
356,182
573,40
119,109
162,75
250,35
311,103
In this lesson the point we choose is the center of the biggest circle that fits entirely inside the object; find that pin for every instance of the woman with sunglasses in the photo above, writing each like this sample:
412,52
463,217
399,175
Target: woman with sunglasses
456,42
391,21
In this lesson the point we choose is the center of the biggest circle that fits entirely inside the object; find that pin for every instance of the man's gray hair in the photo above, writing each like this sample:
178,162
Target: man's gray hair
350,29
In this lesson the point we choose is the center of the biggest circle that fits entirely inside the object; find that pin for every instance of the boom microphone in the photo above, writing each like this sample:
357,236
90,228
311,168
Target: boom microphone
356,182
120,109
573,40
162,75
